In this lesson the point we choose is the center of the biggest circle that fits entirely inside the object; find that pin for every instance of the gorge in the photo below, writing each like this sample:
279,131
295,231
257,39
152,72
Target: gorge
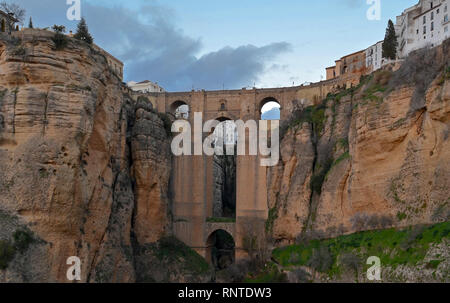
86,169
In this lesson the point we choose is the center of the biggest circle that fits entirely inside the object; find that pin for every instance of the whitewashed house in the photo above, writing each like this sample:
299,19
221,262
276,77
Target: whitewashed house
422,25
374,56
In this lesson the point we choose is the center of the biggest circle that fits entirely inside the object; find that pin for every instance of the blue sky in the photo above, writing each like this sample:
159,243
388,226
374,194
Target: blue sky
210,44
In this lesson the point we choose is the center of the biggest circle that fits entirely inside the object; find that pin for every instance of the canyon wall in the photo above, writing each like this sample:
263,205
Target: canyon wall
373,156
84,169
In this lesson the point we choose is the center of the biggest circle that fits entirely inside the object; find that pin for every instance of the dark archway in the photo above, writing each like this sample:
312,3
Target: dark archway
221,249
224,170
179,109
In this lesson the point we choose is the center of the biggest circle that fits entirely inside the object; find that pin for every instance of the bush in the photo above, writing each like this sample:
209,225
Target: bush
7,253
22,240
59,38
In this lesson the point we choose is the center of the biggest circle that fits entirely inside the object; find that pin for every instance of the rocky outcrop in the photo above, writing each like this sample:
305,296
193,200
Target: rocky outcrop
82,167
151,170
370,157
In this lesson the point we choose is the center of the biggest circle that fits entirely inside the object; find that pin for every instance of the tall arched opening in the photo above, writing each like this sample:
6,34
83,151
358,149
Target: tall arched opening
220,249
224,170
270,109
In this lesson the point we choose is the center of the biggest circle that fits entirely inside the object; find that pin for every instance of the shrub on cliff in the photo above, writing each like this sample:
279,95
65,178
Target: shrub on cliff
7,253
8,249
59,38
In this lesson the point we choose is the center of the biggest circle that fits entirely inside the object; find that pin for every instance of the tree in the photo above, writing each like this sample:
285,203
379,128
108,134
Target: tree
59,38
30,24
83,32
390,42
14,10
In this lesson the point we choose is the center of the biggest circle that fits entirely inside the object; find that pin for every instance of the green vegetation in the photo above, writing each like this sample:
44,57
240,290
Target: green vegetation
318,178
401,216
173,250
82,33
445,76
377,85
394,190
21,241
341,158
315,115
7,253
343,143
59,38
270,274
220,220
272,216
390,42
394,247
434,264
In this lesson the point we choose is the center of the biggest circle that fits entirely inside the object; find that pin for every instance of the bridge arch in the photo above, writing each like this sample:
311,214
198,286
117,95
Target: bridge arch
179,109
220,248
270,103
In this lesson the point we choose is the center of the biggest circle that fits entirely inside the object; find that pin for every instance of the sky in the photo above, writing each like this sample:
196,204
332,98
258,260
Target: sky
213,45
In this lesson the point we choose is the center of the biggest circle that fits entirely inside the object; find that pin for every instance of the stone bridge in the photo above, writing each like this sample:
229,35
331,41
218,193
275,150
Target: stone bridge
192,176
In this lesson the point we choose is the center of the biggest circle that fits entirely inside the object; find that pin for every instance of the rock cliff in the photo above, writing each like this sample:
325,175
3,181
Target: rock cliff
369,157
83,167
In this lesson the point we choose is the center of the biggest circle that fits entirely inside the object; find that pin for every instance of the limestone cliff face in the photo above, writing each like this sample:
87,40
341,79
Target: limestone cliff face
81,165
371,157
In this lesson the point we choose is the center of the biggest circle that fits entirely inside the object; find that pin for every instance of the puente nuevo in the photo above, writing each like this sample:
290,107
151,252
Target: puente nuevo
192,176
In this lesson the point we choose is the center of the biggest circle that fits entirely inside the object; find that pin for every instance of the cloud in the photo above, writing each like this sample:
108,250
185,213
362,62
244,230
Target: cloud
153,48
355,3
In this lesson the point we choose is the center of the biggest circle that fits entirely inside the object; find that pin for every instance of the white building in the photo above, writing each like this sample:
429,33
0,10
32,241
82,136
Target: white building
422,25
145,87
374,56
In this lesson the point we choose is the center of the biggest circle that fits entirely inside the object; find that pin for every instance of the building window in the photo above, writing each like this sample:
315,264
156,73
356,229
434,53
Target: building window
424,19
445,29
432,15
424,30
445,9
446,18
432,26
437,11
417,32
